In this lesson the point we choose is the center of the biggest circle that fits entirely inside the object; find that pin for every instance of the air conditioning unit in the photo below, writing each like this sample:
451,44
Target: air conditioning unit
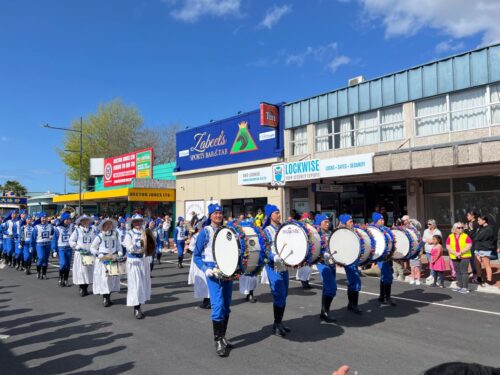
356,81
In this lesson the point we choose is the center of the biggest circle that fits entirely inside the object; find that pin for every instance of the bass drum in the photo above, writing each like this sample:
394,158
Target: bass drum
298,243
416,242
253,250
226,251
383,242
346,246
402,243
368,243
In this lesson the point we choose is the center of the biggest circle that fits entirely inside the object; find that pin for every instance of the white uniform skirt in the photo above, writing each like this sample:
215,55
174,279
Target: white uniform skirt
81,274
263,277
138,281
248,283
198,279
102,283
304,273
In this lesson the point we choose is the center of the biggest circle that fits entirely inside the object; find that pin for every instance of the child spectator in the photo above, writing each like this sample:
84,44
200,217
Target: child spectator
438,264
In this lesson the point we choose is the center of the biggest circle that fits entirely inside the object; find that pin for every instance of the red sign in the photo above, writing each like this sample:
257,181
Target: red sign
120,170
269,115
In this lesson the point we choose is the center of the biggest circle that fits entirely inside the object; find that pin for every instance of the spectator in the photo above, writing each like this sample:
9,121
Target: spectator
415,266
471,229
459,246
485,244
167,223
437,264
259,218
431,231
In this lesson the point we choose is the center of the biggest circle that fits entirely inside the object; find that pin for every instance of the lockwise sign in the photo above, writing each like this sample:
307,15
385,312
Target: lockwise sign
120,170
237,139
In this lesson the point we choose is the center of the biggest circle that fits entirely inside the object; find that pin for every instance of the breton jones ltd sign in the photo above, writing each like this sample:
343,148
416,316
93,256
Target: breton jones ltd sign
278,174
120,170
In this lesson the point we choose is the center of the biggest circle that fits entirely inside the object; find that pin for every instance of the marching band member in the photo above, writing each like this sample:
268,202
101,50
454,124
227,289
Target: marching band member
304,273
248,283
106,244
80,240
180,240
276,272
197,277
220,290
159,236
18,253
138,269
25,234
9,234
352,272
122,231
2,241
386,272
153,228
41,238
326,269
61,247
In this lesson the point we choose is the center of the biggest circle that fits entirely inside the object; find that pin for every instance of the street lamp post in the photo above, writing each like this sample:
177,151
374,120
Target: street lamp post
81,155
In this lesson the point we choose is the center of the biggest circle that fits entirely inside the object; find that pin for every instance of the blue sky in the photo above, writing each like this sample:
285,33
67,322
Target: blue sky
190,61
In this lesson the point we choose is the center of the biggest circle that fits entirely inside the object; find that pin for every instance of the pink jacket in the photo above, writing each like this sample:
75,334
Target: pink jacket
437,260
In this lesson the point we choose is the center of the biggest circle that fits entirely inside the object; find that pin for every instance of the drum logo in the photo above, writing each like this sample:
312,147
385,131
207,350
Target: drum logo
278,175
291,230
229,236
251,243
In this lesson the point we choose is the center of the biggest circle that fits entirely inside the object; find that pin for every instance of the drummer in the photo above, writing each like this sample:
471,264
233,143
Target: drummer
386,270
220,290
106,245
80,241
277,272
326,270
352,272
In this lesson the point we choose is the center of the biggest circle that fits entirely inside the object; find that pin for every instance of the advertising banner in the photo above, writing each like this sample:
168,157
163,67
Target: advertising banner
120,170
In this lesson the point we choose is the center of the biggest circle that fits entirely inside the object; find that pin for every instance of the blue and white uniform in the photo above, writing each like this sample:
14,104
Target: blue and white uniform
138,269
180,236
80,240
278,280
122,231
386,271
9,236
197,277
18,253
26,232
105,244
41,241
61,246
2,241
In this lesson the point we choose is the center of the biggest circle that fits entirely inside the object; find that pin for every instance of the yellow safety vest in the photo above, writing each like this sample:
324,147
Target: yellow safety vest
462,242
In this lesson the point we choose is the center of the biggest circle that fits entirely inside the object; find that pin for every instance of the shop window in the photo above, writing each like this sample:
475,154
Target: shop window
344,132
367,129
495,104
324,140
438,207
299,141
391,124
476,184
436,186
468,109
431,116
483,203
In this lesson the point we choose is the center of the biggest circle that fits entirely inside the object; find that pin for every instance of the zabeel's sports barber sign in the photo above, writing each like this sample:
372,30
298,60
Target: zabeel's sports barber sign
234,140
120,170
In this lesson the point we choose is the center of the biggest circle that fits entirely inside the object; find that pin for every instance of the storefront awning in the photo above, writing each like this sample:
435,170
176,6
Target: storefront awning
124,194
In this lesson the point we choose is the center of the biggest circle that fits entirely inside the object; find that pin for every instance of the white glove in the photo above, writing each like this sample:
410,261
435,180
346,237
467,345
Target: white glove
209,272
100,256
277,259
326,255
54,255
120,254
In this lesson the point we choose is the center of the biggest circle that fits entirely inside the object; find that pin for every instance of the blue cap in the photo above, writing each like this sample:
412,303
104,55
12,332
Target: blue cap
122,220
376,217
22,212
318,219
213,207
269,209
42,214
65,216
344,218
137,217
179,219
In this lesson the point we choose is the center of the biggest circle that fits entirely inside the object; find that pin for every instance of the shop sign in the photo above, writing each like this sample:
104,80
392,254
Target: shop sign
151,183
151,195
254,176
238,139
120,170
321,168
269,115
13,200
327,188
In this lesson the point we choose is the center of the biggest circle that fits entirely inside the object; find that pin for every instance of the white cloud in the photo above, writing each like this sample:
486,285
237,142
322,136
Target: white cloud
274,14
447,46
456,18
337,62
328,55
192,10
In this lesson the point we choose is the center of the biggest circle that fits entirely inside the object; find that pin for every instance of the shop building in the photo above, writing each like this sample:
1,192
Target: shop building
423,141
210,159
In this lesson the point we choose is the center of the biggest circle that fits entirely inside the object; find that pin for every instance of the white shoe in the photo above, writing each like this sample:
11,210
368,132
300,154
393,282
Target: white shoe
430,278
417,282
412,281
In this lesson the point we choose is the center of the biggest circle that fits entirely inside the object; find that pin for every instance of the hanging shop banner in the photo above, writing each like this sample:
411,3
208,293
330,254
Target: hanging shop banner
13,200
255,176
234,140
269,115
321,168
151,195
120,170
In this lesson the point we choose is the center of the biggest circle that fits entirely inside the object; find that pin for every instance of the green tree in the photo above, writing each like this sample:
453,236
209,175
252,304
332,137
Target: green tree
15,186
115,129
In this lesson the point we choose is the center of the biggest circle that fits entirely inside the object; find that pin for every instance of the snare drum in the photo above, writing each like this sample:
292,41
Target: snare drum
226,251
87,259
383,242
402,243
252,248
116,267
298,243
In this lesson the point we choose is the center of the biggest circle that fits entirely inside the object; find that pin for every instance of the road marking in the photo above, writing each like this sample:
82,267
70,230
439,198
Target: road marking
4,337
420,301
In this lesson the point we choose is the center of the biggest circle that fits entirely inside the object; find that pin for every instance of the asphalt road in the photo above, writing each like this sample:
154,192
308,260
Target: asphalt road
45,329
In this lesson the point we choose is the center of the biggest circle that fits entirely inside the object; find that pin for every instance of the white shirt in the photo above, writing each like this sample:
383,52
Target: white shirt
81,239
428,236
132,241
106,243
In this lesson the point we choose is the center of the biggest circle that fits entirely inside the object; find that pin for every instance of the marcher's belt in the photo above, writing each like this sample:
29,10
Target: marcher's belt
132,255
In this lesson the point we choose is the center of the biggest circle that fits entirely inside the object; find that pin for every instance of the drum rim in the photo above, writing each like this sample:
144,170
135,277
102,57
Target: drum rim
388,235
241,240
306,234
410,240
361,247
238,268
316,228
372,245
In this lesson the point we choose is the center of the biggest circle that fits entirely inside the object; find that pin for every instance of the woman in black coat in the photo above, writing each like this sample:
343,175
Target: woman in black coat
484,245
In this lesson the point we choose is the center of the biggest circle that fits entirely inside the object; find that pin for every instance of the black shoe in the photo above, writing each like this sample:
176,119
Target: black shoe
226,342
181,259
138,313
220,348
388,298
305,285
279,330
353,297
106,301
38,272
205,304
326,302
44,272
81,291
60,280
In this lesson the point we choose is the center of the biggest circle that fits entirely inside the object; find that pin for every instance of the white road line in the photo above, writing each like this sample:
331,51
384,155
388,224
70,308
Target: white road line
4,337
419,301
